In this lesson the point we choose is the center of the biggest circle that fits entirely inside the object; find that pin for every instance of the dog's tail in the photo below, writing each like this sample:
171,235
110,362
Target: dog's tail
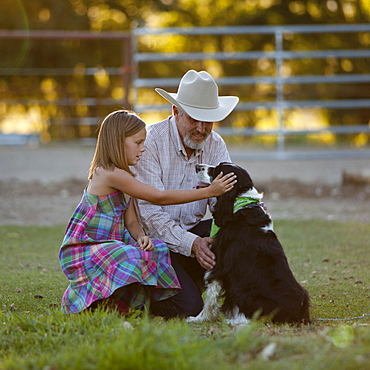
305,309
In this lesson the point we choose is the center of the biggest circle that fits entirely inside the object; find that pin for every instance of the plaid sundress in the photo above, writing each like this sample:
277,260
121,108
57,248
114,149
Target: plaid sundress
101,260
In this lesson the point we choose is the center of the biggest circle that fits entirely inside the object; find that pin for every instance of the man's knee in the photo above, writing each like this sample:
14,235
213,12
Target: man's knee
193,307
180,305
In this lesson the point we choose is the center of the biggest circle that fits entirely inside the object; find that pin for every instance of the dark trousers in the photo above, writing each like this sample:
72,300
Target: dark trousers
188,302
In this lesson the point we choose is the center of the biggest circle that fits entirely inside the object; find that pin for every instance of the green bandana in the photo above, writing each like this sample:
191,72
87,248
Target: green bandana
239,203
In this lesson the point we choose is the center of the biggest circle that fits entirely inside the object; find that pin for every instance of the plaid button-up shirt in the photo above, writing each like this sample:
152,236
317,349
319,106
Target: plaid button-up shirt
165,165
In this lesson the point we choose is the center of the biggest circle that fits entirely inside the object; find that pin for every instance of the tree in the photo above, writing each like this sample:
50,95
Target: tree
80,56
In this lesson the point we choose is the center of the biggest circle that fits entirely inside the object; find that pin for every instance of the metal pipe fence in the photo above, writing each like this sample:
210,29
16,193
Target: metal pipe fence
279,56
134,61
70,123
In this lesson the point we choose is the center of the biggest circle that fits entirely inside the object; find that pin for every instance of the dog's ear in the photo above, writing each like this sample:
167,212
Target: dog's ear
245,179
224,208
220,164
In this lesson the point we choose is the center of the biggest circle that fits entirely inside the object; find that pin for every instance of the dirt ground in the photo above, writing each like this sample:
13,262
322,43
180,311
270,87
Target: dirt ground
42,186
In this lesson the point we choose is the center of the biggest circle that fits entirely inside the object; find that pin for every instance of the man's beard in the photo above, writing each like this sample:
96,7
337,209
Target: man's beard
191,144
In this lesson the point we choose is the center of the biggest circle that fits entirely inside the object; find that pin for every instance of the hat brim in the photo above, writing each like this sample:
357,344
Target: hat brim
226,104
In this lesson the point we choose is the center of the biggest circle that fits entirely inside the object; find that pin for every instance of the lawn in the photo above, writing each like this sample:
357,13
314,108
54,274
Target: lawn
330,259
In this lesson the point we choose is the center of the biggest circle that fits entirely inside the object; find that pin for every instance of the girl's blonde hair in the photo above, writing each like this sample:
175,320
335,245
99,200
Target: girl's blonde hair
110,148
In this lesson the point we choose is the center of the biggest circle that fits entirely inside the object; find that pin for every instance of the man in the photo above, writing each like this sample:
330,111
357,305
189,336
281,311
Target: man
173,148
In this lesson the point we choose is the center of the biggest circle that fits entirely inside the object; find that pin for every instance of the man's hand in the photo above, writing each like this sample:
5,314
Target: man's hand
203,253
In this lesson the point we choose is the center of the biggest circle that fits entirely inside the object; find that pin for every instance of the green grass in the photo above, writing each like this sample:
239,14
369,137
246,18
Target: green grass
331,259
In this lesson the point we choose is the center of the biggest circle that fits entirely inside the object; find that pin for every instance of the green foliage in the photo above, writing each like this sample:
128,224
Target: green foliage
58,99
328,258
106,341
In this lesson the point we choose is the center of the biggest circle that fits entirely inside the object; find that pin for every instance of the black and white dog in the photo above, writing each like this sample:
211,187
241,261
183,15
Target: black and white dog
252,273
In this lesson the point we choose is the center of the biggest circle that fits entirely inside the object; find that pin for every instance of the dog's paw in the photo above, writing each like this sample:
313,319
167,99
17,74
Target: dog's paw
198,318
240,319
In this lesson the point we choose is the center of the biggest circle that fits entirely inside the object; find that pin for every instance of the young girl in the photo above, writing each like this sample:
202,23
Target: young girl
105,253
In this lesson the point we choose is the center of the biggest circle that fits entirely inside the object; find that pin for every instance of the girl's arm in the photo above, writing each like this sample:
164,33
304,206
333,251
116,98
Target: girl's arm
136,231
123,181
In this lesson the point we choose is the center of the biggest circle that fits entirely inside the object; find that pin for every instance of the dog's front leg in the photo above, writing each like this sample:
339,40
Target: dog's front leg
234,317
211,309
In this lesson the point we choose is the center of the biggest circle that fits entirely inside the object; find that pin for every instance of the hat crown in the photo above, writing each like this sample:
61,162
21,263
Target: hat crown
197,96
198,90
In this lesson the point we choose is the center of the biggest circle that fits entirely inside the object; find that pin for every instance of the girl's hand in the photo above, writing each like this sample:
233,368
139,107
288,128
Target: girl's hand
145,243
222,184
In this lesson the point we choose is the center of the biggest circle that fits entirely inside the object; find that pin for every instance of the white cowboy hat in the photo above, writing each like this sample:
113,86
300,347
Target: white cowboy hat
197,95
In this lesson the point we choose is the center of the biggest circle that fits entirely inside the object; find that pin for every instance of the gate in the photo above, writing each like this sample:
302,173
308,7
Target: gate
280,80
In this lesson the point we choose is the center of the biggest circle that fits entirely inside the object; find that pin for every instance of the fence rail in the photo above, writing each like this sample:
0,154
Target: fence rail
124,70
279,55
131,67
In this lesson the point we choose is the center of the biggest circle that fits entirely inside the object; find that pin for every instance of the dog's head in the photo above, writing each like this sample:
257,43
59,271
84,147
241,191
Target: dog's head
225,203
206,174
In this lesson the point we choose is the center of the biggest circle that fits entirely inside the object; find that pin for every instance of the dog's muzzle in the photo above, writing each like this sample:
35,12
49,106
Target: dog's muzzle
202,171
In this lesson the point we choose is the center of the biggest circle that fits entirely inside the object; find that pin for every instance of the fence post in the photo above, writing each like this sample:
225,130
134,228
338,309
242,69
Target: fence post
127,71
279,89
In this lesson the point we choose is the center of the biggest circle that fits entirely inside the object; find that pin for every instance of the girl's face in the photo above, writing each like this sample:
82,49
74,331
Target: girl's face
134,146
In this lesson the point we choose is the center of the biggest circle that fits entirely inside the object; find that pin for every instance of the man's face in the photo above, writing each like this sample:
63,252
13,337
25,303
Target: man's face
193,133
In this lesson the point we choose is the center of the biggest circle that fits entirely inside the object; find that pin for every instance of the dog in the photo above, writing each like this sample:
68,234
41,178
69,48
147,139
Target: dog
252,273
